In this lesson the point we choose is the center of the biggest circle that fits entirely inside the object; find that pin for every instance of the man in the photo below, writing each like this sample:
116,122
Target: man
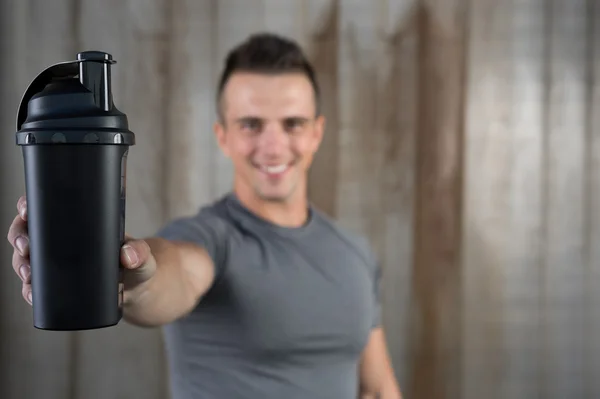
260,294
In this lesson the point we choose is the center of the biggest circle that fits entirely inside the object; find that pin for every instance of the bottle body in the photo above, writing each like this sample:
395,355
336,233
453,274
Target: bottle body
76,215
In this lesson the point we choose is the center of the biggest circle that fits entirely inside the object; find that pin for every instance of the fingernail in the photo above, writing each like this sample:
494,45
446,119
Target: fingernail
21,243
23,210
29,297
24,272
130,254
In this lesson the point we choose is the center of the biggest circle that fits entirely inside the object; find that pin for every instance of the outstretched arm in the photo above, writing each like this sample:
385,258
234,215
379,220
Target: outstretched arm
184,260
179,273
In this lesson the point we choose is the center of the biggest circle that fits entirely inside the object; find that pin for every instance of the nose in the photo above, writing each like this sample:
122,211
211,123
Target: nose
273,139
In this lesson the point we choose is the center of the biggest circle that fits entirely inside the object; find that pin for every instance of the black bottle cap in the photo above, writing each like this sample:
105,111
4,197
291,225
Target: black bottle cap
71,102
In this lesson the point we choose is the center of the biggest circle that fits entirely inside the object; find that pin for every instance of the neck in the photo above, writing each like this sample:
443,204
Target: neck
292,212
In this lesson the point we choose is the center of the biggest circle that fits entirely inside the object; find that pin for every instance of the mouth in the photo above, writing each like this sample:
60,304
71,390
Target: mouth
275,171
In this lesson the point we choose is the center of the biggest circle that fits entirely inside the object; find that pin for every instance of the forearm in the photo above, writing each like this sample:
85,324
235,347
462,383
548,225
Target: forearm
390,389
174,288
377,376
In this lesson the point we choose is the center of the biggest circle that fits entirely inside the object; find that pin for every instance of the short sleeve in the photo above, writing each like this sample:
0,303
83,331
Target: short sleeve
376,273
205,230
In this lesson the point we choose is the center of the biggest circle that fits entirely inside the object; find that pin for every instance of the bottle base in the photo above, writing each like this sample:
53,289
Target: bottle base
75,328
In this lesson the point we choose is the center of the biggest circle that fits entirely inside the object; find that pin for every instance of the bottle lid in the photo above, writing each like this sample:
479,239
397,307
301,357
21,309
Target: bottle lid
71,103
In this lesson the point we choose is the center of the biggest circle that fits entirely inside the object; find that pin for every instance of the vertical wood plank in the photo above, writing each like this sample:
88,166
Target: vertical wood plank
565,202
35,363
358,49
485,244
592,215
396,118
485,241
503,200
190,93
127,361
522,288
285,17
437,267
320,27
376,130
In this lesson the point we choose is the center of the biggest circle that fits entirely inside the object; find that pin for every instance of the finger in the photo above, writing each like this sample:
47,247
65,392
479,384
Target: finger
21,267
22,207
26,292
134,253
17,236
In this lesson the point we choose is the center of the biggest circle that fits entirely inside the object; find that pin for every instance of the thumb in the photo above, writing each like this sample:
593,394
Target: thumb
134,253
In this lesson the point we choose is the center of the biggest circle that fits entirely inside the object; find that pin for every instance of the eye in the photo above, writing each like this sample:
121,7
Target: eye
294,125
251,125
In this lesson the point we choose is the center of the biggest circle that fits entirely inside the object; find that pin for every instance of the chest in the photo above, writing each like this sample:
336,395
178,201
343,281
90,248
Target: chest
294,299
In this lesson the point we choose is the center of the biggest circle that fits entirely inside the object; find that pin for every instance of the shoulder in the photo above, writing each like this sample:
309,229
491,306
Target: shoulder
208,220
355,243
351,240
209,229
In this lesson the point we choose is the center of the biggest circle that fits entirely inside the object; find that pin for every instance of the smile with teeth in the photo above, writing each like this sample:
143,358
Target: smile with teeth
275,169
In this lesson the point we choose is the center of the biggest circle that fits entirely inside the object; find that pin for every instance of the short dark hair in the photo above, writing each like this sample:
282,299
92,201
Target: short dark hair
267,53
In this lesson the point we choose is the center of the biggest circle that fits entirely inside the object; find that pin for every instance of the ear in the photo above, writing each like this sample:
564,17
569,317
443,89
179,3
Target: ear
221,136
318,132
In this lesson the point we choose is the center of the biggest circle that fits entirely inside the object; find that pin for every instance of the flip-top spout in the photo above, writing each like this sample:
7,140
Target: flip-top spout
94,74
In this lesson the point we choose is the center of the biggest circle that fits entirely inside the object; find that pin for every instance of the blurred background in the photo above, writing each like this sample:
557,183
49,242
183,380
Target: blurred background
463,139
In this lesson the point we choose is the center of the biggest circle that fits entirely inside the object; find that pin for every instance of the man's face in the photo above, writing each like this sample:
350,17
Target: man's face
270,133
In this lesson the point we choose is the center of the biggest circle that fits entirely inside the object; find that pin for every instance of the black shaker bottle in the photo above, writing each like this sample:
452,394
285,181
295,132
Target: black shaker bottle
75,145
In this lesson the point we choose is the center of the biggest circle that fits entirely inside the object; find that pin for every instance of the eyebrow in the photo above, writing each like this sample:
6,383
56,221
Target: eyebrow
297,119
256,118
248,118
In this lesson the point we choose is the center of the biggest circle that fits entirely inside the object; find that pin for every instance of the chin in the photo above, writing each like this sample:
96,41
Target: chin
274,197
274,194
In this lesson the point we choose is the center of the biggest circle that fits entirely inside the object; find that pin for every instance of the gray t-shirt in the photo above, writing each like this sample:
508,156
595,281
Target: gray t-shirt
289,313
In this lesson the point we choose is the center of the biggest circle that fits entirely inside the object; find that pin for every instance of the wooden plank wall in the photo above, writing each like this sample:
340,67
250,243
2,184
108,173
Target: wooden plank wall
503,220
462,139
530,201
437,269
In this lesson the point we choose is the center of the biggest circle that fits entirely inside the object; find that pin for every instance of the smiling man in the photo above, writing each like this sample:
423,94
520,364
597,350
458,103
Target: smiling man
260,294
